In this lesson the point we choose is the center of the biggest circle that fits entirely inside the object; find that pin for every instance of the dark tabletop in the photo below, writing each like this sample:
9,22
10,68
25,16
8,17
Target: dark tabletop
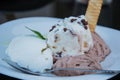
4,77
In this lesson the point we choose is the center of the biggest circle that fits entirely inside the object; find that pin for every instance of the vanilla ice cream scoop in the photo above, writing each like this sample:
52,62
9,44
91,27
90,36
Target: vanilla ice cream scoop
70,37
30,52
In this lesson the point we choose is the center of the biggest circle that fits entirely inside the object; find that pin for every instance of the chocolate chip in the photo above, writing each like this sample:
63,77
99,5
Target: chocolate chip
54,60
78,22
85,27
52,28
72,33
59,54
84,22
65,29
56,38
77,64
54,47
72,20
100,45
90,64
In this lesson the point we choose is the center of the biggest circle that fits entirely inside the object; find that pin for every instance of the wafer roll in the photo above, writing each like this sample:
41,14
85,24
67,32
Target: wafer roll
92,13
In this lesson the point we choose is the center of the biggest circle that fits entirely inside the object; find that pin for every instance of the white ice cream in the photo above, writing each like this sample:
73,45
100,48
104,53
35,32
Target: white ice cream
70,37
29,52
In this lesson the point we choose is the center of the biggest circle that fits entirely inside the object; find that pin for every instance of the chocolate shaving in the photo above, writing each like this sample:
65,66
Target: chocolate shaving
54,47
56,38
52,28
72,33
65,29
59,54
77,64
84,22
72,20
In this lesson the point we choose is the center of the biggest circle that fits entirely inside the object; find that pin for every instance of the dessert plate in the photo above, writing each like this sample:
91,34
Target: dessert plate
17,27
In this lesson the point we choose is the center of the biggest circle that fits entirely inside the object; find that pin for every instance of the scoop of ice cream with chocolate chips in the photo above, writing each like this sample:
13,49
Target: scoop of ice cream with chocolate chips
70,37
74,46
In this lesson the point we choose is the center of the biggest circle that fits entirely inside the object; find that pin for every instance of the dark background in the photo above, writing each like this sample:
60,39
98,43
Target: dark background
14,9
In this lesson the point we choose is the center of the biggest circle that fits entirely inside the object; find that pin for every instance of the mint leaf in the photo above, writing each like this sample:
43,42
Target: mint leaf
43,49
37,33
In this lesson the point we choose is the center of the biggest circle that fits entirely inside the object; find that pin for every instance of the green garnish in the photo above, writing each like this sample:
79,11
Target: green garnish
43,49
37,33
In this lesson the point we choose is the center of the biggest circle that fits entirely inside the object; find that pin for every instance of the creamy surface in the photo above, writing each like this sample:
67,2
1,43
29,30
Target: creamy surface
29,52
90,60
100,49
70,37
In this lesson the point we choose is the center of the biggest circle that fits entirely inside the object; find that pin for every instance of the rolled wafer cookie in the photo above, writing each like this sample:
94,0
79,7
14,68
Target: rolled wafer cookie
92,13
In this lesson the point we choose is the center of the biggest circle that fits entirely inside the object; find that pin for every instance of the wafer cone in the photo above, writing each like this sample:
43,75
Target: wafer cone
92,13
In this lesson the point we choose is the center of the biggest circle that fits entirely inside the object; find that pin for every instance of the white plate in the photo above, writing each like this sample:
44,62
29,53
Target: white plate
17,27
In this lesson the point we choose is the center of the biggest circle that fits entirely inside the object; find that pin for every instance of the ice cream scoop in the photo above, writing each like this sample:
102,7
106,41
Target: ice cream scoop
90,60
31,53
70,37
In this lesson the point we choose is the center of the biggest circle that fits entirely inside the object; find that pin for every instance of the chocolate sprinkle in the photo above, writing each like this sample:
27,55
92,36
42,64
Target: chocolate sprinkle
65,29
52,28
72,33
56,38
72,20
77,64
84,22
59,54
78,22
54,47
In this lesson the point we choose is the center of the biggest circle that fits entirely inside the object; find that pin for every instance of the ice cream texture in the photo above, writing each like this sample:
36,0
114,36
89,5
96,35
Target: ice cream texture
74,46
31,53
70,37
90,60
